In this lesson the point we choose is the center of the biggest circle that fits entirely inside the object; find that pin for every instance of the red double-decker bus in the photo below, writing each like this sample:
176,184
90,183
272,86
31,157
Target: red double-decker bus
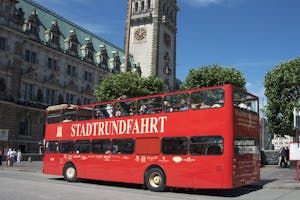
201,138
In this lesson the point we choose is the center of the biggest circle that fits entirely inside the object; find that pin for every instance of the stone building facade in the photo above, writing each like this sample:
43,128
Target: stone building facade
45,60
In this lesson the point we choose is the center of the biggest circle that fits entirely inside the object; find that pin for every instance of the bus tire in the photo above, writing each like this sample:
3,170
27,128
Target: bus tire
155,179
70,173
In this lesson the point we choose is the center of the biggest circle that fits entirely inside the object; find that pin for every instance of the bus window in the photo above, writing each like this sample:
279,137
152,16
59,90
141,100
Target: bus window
101,146
122,146
52,146
174,145
54,116
85,113
206,145
66,147
245,146
150,105
69,114
245,101
103,111
82,146
176,102
207,99
126,108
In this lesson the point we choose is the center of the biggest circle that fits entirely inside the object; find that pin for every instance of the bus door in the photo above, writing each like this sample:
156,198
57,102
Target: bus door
51,157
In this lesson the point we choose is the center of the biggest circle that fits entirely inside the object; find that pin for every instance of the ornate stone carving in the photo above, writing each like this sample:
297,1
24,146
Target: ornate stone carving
71,44
53,35
102,57
32,25
88,51
116,62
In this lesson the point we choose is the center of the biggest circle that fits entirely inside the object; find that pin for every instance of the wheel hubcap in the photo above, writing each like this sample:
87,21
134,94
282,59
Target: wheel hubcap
70,172
155,180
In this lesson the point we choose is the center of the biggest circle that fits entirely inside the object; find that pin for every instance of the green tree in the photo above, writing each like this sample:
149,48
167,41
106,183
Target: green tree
129,84
282,88
213,75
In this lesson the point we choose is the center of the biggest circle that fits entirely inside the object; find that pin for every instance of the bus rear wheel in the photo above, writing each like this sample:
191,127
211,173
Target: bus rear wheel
155,180
70,173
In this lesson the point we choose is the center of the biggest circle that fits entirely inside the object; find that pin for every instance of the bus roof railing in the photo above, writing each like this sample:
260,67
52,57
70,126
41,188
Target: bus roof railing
60,107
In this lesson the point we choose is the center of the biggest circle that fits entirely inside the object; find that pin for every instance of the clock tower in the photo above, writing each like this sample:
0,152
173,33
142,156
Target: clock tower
152,38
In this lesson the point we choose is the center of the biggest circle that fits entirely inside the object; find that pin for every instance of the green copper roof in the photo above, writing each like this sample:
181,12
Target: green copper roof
46,17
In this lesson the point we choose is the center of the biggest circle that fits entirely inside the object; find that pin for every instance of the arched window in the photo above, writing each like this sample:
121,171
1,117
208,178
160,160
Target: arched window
149,4
136,6
142,6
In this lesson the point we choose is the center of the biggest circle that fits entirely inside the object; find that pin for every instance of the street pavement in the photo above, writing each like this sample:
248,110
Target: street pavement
272,177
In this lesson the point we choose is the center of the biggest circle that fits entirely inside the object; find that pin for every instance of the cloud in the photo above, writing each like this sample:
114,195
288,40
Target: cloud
208,3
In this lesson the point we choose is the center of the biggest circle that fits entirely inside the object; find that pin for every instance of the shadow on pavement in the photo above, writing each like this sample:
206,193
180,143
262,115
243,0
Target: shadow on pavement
210,192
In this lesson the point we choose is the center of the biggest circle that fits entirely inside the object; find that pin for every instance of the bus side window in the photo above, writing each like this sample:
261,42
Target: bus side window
174,145
176,102
52,147
82,146
206,145
126,108
123,146
66,147
103,111
151,105
101,146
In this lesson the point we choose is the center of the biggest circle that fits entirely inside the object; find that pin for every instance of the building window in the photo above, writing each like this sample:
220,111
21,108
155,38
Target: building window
50,96
27,55
2,85
143,6
2,43
52,63
86,101
70,98
30,56
39,95
24,127
136,6
88,76
71,70
29,92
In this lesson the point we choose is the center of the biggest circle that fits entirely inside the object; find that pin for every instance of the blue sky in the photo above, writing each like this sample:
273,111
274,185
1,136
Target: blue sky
252,36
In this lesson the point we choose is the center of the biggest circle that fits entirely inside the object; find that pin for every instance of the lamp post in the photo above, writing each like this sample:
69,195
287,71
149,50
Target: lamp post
296,114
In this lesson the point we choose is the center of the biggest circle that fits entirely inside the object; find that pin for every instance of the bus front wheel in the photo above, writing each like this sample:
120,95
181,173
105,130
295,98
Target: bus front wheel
155,180
70,173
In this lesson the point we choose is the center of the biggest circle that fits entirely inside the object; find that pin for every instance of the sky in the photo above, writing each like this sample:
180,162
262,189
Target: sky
253,36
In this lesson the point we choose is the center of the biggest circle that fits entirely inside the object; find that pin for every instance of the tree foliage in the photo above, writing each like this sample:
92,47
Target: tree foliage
213,75
282,88
129,84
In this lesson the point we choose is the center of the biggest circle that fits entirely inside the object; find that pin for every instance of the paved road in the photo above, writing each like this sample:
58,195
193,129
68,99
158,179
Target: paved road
25,181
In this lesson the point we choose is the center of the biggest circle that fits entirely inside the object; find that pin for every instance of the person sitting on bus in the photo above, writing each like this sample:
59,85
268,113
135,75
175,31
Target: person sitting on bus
204,104
214,149
118,113
109,110
143,109
167,107
183,105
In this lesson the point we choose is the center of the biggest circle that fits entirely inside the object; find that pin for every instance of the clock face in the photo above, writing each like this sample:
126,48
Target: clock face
140,33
